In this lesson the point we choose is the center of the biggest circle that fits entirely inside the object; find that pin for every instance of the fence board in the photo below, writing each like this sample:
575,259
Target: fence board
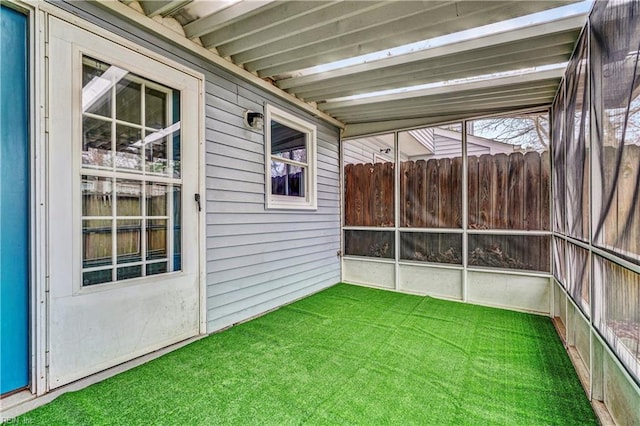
516,190
432,194
421,193
388,212
500,194
456,193
559,186
532,190
545,180
586,199
406,204
368,195
533,196
348,179
445,194
486,183
473,190
608,234
378,191
351,198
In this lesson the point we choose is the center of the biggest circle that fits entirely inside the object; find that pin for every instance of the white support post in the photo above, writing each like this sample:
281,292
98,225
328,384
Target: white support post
396,208
465,213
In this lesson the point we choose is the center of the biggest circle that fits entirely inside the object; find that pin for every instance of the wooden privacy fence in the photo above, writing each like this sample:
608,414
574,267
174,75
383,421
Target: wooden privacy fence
621,227
505,192
509,191
621,310
369,194
97,233
431,193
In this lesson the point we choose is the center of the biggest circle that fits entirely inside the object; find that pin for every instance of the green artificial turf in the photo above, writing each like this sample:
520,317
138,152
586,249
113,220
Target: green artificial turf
349,355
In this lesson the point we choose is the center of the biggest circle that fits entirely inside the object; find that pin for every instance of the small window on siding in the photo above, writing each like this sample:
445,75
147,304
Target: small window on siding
291,161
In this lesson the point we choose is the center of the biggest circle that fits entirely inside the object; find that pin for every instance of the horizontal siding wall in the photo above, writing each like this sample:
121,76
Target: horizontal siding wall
257,259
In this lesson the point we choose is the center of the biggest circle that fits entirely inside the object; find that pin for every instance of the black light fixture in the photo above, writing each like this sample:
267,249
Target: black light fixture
254,120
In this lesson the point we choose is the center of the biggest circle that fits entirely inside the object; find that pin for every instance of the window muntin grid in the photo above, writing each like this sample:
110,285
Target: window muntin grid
130,173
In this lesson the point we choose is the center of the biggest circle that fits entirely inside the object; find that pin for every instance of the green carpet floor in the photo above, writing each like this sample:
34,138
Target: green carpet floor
349,355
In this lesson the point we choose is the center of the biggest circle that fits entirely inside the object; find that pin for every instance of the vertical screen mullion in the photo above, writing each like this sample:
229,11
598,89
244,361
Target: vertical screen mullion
143,224
170,228
114,230
169,121
143,131
143,200
114,199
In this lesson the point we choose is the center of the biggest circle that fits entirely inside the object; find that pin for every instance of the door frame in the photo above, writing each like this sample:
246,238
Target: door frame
40,252
37,197
29,11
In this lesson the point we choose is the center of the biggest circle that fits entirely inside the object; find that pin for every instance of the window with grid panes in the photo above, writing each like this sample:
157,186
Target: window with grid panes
131,179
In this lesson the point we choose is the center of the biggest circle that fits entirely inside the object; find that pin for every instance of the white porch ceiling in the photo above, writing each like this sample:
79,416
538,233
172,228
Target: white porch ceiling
294,45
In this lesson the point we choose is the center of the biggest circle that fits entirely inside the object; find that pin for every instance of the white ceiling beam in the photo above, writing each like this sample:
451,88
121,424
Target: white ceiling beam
381,87
348,32
487,101
162,8
529,99
420,26
562,25
497,81
368,128
486,66
473,112
536,49
436,103
323,24
486,95
280,14
371,127
224,17
387,27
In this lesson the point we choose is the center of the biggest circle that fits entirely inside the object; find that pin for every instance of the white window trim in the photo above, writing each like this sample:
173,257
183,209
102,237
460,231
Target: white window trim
310,201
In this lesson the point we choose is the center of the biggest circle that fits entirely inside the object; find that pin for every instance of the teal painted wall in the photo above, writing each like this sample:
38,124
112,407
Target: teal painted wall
14,201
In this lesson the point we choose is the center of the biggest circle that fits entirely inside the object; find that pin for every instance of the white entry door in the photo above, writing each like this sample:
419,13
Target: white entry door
123,218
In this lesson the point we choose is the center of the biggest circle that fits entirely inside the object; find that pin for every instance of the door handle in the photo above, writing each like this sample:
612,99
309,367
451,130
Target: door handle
197,198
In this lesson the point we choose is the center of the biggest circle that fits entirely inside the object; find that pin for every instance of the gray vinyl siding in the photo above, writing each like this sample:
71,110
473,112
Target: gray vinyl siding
259,259
362,150
256,259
